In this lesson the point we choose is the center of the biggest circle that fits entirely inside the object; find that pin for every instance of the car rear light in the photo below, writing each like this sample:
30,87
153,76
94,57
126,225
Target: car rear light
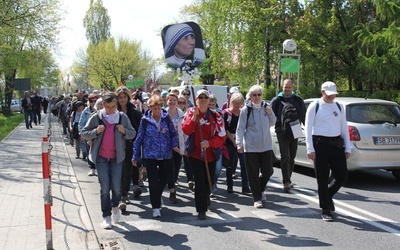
353,133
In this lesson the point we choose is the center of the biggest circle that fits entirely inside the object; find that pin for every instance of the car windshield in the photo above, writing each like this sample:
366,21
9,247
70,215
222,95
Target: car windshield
373,113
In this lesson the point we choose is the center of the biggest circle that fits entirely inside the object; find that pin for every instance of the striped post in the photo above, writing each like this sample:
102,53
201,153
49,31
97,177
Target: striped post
46,186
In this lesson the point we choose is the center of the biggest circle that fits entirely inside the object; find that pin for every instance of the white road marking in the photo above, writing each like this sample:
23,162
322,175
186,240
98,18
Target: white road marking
359,212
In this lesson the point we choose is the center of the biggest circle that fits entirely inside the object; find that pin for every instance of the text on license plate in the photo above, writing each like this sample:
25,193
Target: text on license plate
387,140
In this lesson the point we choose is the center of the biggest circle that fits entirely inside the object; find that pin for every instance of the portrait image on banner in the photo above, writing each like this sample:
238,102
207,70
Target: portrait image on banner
182,43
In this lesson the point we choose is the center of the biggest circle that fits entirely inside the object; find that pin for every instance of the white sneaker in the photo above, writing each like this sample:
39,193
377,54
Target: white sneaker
107,223
263,197
156,213
258,204
115,214
92,172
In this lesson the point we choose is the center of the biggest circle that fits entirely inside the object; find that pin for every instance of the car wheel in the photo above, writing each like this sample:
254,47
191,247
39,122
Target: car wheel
396,173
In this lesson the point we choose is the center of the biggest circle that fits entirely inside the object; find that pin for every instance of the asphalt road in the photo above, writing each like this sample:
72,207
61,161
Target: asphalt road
366,216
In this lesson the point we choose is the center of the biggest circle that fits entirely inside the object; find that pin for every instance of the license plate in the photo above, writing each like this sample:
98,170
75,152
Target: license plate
387,140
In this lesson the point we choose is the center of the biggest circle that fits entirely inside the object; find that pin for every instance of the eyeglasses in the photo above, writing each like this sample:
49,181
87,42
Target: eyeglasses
256,95
202,97
181,102
186,94
92,100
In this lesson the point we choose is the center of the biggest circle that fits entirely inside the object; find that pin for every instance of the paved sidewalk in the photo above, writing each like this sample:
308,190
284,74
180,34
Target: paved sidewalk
22,223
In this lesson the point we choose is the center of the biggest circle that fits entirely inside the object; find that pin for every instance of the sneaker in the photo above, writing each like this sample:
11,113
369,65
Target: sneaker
137,191
107,223
258,204
263,197
246,190
77,157
202,216
156,213
92,172
286,187
172,198
235,176
213,194
326,215
116,214
122,204
191,185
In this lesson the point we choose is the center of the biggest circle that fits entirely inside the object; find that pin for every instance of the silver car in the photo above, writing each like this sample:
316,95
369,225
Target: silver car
374,128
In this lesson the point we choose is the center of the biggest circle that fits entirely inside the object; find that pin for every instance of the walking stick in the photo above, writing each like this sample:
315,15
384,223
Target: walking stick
201,139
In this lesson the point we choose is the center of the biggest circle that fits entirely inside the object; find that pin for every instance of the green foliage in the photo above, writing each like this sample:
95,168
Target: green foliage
110,62
27,28
8,123
97,22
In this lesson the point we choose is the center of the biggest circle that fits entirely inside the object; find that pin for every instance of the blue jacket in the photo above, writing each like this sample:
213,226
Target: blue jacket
156,144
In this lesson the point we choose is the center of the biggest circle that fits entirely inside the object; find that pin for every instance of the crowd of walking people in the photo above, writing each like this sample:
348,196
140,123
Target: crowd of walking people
128,138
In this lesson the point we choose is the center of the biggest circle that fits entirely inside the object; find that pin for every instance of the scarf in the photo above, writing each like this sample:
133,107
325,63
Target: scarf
110,118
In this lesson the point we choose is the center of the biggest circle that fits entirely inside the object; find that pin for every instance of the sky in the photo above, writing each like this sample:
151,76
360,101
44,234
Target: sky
141,20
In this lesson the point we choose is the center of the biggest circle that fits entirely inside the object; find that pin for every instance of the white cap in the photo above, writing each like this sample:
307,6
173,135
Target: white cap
145,96
234,90
329,88
202,92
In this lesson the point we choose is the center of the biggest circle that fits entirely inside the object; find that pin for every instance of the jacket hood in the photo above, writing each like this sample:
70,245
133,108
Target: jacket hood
148,112
281,94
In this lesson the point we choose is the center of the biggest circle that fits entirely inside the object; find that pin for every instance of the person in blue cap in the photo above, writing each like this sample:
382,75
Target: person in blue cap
164,94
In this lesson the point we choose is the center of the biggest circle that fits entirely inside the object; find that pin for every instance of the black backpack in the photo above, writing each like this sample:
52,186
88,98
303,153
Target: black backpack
289,114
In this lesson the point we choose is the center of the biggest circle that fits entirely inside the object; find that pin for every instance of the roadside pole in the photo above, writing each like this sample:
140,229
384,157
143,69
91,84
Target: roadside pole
46,182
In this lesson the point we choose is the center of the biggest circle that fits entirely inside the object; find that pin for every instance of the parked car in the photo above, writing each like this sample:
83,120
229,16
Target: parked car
374,128
16,106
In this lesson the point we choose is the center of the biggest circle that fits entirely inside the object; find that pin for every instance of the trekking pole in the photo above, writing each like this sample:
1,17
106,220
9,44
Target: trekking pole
201,139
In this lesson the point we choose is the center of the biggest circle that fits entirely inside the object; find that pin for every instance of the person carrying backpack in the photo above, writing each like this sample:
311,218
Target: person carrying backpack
253,137
109,129
289,109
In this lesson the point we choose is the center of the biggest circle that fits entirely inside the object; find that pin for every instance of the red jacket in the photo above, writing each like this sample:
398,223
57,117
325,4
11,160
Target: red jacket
213,131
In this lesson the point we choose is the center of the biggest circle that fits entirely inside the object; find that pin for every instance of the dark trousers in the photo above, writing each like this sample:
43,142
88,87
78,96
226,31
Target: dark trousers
257,163
158,174
176,161
129,172
234,158
202,188
28,114
36,117
188,168
288,148
329,158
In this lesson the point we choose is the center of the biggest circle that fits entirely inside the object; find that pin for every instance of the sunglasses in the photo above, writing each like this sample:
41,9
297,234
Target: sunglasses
187,94
181,102
256,95
92,100
202,97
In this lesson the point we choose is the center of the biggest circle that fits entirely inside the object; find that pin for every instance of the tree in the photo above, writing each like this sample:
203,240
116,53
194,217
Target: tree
111,62
25,26
97,22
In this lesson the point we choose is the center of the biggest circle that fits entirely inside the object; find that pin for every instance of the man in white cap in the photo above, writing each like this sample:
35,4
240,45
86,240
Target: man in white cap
231,91
328,145
180,46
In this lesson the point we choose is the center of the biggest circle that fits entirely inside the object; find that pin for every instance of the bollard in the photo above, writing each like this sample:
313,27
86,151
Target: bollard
46,186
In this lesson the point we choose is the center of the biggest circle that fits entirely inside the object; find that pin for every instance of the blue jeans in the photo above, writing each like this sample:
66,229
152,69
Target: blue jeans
218,168
28,114
110,176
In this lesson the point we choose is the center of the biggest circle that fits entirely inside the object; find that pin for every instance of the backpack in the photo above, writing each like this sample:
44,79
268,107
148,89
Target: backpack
289,114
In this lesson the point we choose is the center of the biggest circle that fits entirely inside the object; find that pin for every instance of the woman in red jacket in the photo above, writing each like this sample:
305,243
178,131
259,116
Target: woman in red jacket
206,132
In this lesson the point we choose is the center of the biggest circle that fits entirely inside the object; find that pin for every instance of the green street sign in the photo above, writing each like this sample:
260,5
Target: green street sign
139,83
129,84
290,65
